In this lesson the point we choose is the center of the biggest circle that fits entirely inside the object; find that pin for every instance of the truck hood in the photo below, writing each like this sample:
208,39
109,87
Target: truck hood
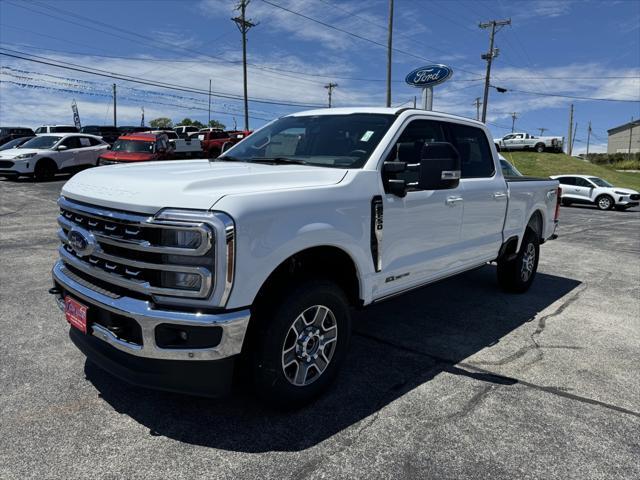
199,184
127,156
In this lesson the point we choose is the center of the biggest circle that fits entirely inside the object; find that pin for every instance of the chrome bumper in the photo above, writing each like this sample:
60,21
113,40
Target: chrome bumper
233,324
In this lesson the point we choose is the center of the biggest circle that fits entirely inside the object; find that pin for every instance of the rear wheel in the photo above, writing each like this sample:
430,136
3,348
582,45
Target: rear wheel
539,147
299,343
566,203
604,202
45,169
517,275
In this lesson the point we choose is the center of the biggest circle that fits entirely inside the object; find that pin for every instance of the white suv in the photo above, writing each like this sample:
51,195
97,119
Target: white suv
45,155
57,129
592,190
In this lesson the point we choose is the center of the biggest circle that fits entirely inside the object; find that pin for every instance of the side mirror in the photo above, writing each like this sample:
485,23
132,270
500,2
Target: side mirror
226,146
440,167
61,148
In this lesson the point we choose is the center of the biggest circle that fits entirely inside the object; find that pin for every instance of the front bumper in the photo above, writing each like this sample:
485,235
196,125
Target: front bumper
143,362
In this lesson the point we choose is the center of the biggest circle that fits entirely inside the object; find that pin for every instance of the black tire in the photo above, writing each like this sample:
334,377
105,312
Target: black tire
511,274
274,336
539,147
566,203
604,202
45,169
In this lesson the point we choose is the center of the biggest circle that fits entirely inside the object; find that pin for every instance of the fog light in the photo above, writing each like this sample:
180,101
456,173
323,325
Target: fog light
181,281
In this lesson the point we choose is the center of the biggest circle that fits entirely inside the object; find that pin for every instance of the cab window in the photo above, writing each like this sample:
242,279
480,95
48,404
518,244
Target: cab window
474,150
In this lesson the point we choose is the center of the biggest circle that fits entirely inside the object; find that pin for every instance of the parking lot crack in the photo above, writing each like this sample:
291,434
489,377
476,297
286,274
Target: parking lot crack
540,328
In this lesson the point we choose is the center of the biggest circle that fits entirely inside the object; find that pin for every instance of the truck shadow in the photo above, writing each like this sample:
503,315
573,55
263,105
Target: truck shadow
396,347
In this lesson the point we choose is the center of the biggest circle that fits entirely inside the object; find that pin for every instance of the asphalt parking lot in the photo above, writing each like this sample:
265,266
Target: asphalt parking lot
456,380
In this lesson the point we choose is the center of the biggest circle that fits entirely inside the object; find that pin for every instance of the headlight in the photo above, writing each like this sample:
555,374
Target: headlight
25,155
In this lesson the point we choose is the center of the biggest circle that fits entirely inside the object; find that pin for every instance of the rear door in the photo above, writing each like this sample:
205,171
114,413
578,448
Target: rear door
71,156
421,230
89,151
485,196
583,189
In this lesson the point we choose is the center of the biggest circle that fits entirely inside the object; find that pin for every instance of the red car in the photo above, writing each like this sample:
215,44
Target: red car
138,147
213,140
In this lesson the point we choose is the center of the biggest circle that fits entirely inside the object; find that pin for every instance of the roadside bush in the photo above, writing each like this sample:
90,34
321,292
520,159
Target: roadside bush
619,161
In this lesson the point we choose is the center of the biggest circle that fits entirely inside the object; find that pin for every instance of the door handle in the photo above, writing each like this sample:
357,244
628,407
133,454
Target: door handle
499,195
452,201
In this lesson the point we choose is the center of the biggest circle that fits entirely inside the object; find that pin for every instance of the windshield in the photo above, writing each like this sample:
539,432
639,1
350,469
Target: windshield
44,141
13,143
339,141
600,182
133,146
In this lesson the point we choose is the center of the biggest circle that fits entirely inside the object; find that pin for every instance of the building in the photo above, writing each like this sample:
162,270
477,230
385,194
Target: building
619,138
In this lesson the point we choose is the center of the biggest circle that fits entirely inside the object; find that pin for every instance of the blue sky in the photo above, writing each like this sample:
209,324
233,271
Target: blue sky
571,48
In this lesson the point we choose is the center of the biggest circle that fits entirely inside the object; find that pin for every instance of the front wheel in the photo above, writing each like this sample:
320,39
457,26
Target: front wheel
300,343
604,202
517,275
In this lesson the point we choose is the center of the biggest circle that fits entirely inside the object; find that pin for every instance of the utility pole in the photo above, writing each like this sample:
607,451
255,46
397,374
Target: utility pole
514,116
115,123
495,25
209,124
570,135
573,141
630,137
244,26
588,138
414,101
389,48
477,103
330,86
542,129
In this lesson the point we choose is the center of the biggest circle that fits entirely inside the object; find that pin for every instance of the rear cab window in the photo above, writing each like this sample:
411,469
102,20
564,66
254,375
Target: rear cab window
475,153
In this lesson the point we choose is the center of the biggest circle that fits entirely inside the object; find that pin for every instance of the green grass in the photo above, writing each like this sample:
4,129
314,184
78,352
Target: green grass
547,164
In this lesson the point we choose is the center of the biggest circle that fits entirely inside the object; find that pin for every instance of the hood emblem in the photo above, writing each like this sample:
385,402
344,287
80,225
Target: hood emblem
82,241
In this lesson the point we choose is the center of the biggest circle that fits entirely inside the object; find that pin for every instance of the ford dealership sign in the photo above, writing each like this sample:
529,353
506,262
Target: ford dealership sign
429,76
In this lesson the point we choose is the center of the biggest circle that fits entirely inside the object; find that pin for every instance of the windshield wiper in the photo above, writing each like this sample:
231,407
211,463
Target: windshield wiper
277,160
226,158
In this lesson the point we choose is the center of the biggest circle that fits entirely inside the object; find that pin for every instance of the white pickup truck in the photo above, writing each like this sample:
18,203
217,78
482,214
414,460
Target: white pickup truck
172,272
525,141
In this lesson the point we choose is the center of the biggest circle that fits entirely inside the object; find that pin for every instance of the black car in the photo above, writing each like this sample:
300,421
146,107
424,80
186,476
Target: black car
109,133
16,142
125,129
10,133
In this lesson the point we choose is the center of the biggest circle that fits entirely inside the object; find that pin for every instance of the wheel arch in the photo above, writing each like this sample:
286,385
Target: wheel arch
323,261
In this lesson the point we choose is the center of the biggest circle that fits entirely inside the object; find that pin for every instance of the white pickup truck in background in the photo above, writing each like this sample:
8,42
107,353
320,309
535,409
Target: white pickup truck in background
525,141
171,273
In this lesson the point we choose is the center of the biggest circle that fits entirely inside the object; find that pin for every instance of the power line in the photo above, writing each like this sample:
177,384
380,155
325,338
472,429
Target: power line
575,97
130,78
355,35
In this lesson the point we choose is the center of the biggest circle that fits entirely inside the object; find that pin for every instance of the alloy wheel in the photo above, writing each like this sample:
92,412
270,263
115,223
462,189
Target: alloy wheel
309,345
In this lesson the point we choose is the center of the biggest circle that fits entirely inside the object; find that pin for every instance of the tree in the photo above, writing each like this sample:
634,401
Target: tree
188,122
161,123
217,124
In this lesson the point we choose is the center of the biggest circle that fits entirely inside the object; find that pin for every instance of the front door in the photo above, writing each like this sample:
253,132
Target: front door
422,230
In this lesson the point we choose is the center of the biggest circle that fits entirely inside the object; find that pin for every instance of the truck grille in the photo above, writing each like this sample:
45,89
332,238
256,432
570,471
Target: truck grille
139,254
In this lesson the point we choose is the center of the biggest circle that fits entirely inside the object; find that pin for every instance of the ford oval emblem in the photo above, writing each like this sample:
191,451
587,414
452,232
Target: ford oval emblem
82,242
429,76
